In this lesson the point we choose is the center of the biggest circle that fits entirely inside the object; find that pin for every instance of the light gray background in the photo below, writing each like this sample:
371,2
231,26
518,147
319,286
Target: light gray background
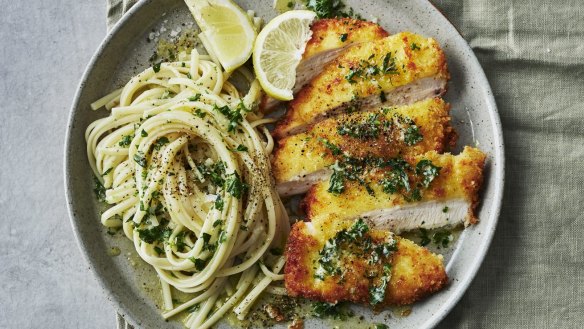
44,281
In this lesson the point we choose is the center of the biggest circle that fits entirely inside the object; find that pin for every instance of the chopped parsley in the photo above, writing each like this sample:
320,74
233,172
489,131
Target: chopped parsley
412,135
143,133
140,159
160,143
445,209
199,263
428,171
351,241
424,237
126,140
195,98
99,190
414,46
377,292
206,242
234,116
442,238
200,113
154,234
235,186
369,69
337,182
219,203
241,148
327,310
215,172
368,129
159,250
335,150
343,37
397,178
330,9
180,242
156,67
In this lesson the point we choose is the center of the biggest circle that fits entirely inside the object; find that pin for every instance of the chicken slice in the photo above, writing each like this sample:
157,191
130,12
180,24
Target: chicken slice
330,37
397,70
423,191
302,160
350,262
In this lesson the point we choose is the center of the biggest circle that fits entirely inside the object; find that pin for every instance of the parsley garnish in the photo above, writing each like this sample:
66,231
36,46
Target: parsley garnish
329,9
143,133
442,238
428,170
218,204
154,234
412,135
140,159
159,250
369,129
199,264
414,46
214,172
195,98
343,37
99,190
336,182
156,67
335,150
160,143
241,148
377,292
126,140
206,245
200,113
235,186
425,239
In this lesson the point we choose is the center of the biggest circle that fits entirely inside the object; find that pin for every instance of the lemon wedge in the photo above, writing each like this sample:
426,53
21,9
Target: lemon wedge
278,49
226,30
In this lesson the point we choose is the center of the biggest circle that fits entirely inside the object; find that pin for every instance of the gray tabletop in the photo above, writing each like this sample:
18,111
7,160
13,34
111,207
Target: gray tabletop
44,49
532,54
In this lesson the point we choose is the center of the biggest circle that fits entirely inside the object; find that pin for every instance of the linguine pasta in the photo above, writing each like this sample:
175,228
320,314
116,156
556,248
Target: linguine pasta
185,165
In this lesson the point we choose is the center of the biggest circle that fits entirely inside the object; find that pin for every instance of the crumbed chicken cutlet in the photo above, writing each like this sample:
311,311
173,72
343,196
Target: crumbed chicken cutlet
423,191
302,160
397,70
350,262
330,37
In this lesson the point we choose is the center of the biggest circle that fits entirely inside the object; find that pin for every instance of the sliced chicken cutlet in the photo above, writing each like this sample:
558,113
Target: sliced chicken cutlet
302,160
330,37
350,262
397,70
423,191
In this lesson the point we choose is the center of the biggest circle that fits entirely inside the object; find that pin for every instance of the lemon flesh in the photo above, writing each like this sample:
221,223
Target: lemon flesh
227,28
278,50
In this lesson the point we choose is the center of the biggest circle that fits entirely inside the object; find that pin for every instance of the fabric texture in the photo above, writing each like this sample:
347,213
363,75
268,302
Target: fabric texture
533,55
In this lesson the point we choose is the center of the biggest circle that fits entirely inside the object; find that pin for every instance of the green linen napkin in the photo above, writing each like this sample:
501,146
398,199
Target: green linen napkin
533,55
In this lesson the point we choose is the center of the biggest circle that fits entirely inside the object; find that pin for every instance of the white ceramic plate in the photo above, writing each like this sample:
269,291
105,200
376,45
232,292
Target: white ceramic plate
131,286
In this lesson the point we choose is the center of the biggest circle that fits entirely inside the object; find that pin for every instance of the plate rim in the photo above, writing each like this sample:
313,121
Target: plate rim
470,273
